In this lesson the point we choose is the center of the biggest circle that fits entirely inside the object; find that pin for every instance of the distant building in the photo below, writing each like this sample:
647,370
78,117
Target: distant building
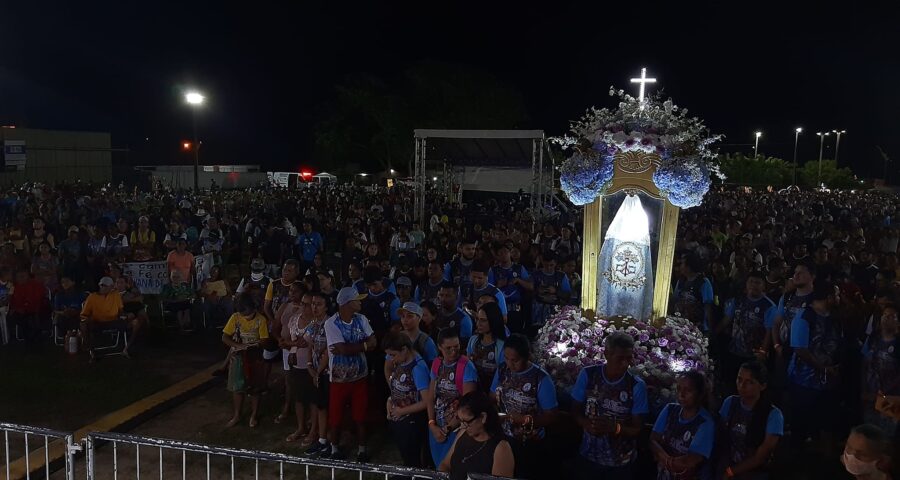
54,156
224,176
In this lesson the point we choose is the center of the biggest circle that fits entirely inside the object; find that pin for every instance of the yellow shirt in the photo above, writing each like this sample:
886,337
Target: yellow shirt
251,330
217,287
102,308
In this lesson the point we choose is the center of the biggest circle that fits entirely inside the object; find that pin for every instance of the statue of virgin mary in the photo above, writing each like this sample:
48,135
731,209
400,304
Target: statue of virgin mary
625,283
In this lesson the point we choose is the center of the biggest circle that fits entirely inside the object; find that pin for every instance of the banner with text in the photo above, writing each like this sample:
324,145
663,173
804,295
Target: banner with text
149,277
202,264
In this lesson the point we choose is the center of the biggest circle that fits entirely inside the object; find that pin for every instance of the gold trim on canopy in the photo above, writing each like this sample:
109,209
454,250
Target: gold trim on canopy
631,171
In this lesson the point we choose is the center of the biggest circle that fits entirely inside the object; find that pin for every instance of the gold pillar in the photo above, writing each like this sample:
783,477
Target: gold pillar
666,259
593,220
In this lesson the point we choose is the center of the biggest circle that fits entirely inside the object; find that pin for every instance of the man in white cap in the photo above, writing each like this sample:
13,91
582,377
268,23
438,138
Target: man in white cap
100,309
349,337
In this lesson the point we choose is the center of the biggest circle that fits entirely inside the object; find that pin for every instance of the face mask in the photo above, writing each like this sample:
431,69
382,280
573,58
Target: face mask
256,276
856,466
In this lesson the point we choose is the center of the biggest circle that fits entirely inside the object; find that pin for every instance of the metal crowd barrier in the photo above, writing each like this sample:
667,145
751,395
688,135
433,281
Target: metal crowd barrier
109,455
35,451
155,457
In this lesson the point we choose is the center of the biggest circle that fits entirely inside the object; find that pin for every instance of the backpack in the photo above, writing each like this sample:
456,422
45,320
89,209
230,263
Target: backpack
419,344
460,370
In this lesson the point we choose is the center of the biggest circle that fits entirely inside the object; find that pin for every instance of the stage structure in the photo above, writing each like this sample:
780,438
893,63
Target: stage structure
448,150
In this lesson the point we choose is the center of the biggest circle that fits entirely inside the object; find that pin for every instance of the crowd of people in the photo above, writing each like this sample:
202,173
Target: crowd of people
359,308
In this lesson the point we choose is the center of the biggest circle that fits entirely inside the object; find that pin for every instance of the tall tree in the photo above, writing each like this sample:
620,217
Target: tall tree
370,120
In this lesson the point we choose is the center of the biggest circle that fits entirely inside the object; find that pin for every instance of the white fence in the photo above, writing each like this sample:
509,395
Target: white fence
133,457
31,452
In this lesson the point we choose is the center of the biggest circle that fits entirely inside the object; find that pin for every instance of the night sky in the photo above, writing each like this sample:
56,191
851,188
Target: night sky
269,70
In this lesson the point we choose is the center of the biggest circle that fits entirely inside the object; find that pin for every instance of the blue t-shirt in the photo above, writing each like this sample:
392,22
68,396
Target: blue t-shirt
774,424
736,419
408,381
347,368
470,375
639,390
699,438
820,335
546,391
750,320
428,349
528,392
623,398
465,325
513,293
310,244
64,300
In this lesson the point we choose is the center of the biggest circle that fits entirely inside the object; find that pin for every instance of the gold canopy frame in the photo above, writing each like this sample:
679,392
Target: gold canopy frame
632,171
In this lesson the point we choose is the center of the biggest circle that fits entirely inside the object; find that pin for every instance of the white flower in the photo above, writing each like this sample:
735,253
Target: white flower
619,138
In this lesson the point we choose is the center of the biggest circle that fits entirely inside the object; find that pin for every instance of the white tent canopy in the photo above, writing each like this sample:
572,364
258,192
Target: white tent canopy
477,148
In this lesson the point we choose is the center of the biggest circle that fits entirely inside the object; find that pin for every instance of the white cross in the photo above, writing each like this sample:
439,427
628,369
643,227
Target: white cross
643,80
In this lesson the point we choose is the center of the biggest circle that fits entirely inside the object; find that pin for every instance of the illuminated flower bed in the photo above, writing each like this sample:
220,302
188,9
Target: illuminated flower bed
568,342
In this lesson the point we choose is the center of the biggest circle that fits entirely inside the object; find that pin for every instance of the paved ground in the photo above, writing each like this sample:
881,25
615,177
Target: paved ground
50,389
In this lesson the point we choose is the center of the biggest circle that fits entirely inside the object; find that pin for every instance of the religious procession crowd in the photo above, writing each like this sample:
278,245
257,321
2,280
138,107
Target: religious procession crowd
371,318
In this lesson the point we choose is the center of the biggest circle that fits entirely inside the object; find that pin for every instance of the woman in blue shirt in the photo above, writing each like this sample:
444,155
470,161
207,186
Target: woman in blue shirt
526,394
409,384
452,376
682,438
750,426
485,348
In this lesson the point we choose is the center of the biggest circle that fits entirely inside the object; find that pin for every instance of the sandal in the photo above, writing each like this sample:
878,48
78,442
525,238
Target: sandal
253,423
280,418
232,422
296,436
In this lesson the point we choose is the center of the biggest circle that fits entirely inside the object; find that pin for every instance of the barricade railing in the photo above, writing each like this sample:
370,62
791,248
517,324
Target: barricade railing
39,448
155,457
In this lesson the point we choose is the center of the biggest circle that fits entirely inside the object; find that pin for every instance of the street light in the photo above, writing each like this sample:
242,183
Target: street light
195,100
756,145
393,171
821,147
837,144
796,138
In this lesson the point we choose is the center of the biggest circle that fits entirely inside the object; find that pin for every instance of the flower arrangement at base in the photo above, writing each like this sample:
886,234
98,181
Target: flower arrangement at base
569,342
652,126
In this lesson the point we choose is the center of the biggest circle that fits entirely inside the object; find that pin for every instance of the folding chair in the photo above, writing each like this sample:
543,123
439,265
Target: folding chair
117,333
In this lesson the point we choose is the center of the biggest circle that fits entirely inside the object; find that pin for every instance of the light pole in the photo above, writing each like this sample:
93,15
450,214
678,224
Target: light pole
756,145
796,138
837,144
821,147
195,99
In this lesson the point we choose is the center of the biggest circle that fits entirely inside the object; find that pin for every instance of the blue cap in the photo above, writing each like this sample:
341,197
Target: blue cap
347,295
412,307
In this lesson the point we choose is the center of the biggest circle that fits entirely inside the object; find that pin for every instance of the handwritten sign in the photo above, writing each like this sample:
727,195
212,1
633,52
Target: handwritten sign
202,265
149,277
